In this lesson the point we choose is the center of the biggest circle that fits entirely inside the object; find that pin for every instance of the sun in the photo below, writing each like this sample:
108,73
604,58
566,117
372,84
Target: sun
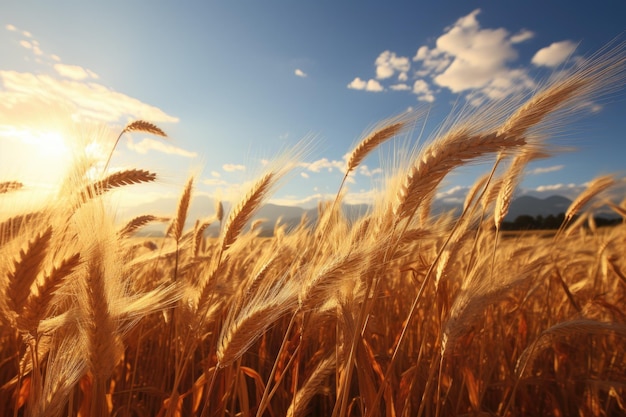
36,157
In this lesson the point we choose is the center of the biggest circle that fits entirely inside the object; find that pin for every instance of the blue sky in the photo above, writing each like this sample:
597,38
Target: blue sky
234,83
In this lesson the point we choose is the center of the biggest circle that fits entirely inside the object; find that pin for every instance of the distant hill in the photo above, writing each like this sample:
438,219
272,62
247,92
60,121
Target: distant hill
533,206
203,207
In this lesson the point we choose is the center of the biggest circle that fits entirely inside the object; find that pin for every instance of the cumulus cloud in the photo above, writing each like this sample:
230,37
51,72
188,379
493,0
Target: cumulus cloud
300,73
545,170
75,72
233,167
422,91
148,144
370,85
215,174
388,63
465,58
10,28
478,58
555,54
304,175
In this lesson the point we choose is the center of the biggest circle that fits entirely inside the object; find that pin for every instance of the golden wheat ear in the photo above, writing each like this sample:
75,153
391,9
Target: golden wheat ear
8,186
139,222
118,179
143,126
136,126
175,229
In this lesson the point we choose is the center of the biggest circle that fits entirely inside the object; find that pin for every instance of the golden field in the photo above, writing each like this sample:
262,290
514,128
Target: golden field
400,313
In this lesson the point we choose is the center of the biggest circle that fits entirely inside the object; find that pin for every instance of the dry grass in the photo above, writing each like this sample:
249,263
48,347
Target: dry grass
395,315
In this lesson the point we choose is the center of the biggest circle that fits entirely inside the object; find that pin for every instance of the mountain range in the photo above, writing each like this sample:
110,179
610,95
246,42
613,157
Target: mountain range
203,207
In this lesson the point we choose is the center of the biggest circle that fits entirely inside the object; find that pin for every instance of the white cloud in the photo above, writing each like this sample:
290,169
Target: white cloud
233,167
388,63
374,86
545,170
304,175
215,174
89,101
522,36
55,58
477,54
215,182
370,85
400,87
357,84
323,164
300,73
422,91
74,72
365,171
148,144
555,54
10,28
555,187
27,34
26,44
468,57
293,201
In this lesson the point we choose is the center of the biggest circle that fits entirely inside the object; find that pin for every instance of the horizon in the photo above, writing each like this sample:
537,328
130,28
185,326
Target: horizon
235,85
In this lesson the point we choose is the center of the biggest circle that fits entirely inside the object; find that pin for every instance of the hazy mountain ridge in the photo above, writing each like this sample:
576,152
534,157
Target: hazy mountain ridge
203,207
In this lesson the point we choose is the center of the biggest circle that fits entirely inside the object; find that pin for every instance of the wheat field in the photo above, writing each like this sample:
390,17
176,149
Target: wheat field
399,313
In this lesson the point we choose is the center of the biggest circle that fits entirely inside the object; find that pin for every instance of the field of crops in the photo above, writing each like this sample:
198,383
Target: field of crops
399,313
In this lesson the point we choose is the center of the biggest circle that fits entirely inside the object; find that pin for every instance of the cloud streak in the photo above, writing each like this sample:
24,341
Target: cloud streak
147,144
545,170
233,167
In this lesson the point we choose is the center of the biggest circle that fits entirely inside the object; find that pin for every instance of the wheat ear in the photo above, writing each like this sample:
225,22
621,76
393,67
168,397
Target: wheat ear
177,225
136,126
25,269
8,186
245,209
198,235
510,179
371,142
242,328
37,303
138,222
118,179
594,188
312,386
